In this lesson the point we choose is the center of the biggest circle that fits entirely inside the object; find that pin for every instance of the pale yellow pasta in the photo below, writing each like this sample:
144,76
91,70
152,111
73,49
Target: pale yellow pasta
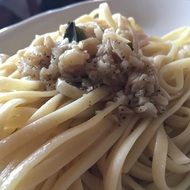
71,138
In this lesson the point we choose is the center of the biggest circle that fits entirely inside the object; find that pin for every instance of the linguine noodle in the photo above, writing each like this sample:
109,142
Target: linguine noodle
108,111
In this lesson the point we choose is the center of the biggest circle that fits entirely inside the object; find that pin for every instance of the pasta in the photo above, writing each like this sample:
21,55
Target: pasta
97,105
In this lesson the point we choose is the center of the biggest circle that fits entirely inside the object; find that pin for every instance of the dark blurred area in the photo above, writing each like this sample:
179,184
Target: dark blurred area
13,11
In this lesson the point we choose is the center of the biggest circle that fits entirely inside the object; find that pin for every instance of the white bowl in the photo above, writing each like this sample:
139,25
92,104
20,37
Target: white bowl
156,17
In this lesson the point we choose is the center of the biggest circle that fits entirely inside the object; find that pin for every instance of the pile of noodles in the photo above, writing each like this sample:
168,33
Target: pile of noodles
70,141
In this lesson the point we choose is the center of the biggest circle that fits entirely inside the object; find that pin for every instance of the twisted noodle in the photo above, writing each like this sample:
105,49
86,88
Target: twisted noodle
70,139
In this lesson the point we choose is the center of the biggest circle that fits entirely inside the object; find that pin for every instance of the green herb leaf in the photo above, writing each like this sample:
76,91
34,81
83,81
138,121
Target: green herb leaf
96,15
80,34
131,45
74,33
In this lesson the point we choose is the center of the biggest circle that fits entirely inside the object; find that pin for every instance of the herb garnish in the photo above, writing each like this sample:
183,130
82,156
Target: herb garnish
74,33
130,44
96,15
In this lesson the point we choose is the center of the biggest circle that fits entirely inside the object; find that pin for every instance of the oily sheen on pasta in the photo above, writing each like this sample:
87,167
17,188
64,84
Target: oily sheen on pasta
97,105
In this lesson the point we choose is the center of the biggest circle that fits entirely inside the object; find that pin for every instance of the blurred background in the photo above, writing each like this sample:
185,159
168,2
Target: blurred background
13,11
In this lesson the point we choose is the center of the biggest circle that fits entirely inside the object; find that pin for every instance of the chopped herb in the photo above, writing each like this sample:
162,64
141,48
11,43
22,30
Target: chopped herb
96,15
74,33
130,44
80,33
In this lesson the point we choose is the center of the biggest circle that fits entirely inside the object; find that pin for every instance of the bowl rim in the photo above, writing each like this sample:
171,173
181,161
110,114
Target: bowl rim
44,14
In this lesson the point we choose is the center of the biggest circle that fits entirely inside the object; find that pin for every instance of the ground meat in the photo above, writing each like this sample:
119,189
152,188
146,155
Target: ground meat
35,57
103,69
113,59
132,73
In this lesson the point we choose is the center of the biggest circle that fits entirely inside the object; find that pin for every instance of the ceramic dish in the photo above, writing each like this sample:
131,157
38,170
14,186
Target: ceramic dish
155,17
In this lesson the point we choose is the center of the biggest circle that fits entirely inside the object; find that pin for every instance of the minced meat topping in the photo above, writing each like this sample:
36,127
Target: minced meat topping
98,56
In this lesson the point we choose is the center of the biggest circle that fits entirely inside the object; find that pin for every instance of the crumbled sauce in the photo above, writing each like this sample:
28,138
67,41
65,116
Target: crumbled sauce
116,61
